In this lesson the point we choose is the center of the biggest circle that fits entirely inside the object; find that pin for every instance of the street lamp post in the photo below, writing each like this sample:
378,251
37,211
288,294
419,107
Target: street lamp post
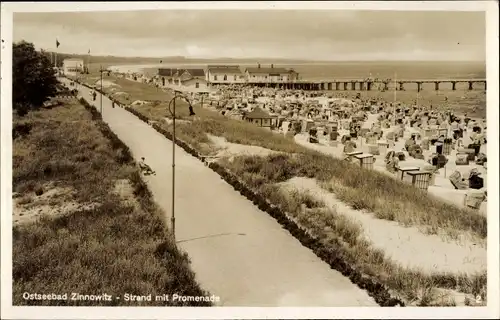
171,108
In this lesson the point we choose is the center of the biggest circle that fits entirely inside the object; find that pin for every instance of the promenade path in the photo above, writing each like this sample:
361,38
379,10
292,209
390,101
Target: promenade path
238,252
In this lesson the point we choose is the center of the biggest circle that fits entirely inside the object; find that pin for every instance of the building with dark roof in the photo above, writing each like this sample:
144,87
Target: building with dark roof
166,75
193,78
166,72
260,117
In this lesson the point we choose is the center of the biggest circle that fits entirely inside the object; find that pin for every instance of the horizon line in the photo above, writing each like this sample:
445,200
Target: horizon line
256,59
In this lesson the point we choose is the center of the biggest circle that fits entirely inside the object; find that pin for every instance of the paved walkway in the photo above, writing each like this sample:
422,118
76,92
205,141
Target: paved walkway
238,252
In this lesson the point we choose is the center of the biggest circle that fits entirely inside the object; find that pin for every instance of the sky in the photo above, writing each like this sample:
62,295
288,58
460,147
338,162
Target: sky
347,35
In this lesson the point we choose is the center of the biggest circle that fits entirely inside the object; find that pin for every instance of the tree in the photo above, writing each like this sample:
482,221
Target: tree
33,78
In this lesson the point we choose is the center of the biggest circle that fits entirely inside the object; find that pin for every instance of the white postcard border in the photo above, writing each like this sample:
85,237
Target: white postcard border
10,312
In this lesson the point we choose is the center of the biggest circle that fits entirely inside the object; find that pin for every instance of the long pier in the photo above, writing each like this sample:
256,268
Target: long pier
366,85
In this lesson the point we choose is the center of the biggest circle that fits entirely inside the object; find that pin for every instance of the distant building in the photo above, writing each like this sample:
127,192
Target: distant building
191,78
292,75
260,117
192,73
166,76
270,75
73,66
195,83
182,75
224,74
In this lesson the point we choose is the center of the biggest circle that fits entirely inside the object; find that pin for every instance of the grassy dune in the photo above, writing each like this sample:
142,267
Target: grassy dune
119,245
376,192
362,189
399,202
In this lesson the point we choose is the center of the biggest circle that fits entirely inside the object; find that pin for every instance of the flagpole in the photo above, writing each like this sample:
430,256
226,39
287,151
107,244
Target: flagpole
57,47
88,62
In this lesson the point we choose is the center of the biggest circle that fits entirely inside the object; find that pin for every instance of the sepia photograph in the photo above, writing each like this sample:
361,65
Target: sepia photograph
268,156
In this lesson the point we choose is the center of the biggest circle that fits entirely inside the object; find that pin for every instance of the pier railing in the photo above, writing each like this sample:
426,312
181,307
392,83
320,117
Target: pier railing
366,84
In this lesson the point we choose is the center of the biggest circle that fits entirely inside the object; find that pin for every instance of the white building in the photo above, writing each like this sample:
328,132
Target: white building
195,83
73,66
270,75
224,75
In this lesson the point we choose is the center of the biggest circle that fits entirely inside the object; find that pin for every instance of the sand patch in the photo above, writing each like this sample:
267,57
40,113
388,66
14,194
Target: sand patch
229,149
54,202
177,121
139,103
106,83
405,245
124,189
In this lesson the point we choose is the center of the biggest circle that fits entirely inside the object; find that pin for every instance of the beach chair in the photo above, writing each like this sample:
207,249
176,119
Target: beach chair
391,136
470,152
409,144
457,181
400,155
363,132
334,136
425,144
474,198
372,139
441,161
420,179
415,151
481,159
475,181
365,160
350,149
345,138
373,149
476,147
462,159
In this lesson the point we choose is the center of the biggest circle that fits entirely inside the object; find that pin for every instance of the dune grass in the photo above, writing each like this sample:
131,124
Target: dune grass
337,232
116,247
388,198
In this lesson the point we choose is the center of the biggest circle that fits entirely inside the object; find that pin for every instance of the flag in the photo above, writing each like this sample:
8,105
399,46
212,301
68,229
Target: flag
57,43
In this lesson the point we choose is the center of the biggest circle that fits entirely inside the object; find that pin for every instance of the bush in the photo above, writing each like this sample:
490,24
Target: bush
33,78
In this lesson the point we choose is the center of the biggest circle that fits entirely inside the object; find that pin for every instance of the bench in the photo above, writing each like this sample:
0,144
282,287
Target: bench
352,154
402,170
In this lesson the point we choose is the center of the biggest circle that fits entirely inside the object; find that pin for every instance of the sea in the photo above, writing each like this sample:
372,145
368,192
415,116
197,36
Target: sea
407,70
